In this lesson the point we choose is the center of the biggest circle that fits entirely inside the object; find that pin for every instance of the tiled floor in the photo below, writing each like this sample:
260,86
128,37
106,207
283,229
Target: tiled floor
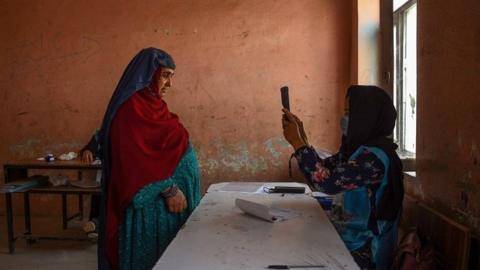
48,254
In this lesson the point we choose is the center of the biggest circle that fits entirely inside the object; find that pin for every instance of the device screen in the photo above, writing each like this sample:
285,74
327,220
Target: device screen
285,99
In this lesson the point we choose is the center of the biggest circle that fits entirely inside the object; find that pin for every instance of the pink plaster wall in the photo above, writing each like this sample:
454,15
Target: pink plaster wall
448,137
60,61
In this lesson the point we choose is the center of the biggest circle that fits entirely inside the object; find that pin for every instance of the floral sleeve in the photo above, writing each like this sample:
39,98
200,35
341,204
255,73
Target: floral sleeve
333,175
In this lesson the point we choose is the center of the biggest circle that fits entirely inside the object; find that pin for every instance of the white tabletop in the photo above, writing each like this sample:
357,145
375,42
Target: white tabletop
219,236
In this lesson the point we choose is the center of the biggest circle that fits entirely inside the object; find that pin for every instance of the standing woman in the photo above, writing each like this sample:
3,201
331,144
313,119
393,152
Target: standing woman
366,169
150,178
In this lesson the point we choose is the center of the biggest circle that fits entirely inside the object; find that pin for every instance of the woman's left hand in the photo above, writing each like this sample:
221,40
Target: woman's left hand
87,156
291,130
177,203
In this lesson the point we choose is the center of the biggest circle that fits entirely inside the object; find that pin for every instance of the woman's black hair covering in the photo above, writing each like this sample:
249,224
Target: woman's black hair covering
371,122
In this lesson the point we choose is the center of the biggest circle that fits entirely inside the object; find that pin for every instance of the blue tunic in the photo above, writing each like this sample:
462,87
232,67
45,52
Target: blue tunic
362,178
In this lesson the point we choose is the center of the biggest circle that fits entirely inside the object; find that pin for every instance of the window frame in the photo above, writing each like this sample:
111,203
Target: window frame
399,18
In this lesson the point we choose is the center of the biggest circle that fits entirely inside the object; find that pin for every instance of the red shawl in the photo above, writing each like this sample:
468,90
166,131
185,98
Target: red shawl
147,143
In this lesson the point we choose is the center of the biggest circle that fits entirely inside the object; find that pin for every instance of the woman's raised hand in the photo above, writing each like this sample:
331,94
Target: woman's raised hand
293,130
301,128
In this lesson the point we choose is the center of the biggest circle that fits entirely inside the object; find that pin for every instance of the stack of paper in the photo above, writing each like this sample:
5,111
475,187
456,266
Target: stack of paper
271,214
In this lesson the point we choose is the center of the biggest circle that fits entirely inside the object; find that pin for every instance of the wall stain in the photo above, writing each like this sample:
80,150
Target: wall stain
242,156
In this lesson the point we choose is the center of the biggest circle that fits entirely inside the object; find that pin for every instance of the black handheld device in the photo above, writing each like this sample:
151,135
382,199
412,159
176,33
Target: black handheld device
285,99
284,189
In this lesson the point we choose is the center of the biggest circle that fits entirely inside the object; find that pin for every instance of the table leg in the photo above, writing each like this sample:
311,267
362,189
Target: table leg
80,197
64,211
11,240
26,205
80,206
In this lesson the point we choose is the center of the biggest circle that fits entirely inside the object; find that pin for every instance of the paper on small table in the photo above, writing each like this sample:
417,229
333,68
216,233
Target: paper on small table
85,184
271,214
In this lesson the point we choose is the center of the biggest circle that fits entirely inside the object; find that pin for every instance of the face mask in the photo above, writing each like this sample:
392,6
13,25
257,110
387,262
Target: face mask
344,125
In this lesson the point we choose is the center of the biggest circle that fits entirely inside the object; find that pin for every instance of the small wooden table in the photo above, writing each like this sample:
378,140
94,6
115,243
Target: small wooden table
20,170
219,236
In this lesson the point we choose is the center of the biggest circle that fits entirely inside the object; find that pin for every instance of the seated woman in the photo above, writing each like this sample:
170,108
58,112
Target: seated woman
88,154
150,171
366,169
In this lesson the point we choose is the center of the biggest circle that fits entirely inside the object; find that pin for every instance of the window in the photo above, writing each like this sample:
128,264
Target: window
405,75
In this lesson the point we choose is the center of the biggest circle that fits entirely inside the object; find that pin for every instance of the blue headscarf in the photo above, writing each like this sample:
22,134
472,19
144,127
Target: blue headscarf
137,76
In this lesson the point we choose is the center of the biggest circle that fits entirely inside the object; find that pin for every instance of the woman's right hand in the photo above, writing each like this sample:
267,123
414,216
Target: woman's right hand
87,156
177,203
301,128
293,119
291,131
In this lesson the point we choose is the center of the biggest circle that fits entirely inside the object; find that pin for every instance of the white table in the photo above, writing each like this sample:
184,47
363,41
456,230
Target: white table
219,236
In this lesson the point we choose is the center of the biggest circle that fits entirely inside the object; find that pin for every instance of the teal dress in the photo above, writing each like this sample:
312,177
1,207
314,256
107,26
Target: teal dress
148,226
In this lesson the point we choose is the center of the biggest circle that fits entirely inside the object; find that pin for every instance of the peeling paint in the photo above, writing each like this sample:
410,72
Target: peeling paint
210,164
236,160
241,156
270,146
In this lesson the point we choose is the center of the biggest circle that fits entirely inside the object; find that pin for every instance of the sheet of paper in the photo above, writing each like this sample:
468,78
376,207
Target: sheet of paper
264,212
323,153
255,209
284,214
318,194
242,187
